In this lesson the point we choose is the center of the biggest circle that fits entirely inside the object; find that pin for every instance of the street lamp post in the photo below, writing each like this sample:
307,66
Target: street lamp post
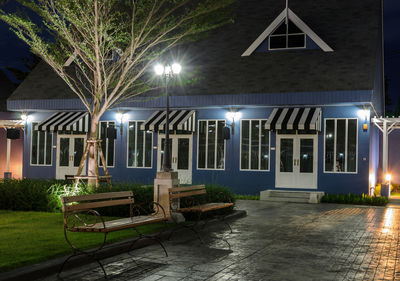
168,72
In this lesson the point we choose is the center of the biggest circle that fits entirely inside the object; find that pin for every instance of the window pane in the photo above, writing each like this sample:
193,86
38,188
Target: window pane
306,155
183,154
211,144
281,29
220,145
162,151
202,144
244,162
352,145
296,41
64,152
277,42
255,142
110,148
293,28
148,146
34,144
131,143
329,145
264,147
78,151
340,145
41,147
140,148
286,155
103,132
49,145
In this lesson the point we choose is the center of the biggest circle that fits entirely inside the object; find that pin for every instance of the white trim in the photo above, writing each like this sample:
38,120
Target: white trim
259,147
216,138
137,128
334,145
298,22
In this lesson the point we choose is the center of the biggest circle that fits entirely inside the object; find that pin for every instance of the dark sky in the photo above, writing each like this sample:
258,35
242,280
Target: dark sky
13,51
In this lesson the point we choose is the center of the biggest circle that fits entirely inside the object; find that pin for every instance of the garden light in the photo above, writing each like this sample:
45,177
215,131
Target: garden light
388,177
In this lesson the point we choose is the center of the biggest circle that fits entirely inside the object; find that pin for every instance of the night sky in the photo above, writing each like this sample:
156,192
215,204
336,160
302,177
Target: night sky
13,51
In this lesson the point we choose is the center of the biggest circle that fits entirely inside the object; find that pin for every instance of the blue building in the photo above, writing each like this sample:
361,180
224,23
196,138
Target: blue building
296,87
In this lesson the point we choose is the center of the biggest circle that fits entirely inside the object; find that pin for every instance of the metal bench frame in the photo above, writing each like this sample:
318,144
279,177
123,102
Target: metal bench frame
80,216
192,193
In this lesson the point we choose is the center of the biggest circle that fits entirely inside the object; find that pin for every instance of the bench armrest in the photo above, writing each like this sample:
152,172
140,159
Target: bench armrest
86,218
153,209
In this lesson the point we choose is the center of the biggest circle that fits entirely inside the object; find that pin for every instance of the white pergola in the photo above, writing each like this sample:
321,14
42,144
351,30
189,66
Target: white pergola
10,124
386,125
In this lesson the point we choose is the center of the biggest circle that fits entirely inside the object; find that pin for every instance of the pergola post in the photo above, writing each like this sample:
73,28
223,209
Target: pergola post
385,148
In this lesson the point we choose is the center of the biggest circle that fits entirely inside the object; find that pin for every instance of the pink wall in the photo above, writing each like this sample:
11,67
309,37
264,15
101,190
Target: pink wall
16,154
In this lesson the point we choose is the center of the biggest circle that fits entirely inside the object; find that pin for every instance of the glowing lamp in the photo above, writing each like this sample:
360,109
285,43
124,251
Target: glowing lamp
388,177
159,69
176,68
363,114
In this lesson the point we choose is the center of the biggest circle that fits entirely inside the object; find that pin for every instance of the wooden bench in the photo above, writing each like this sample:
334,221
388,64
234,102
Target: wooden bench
194,194
81,215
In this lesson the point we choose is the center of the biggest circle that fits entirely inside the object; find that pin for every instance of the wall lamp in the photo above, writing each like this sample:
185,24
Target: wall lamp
232,116
121,118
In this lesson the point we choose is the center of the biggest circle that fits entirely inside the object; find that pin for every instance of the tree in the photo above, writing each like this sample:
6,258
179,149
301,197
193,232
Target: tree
103,49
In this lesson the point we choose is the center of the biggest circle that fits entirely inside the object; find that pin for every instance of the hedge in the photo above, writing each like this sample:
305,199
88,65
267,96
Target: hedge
356,199
45,195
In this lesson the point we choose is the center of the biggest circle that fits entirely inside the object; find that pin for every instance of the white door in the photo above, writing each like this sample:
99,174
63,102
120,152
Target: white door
70,149
180,148
296,161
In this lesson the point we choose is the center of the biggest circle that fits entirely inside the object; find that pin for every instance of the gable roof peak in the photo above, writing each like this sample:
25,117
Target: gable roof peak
286,15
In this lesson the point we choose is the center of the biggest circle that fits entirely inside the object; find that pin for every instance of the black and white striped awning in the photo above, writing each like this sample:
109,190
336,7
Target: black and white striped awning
294,118
179,120
65,121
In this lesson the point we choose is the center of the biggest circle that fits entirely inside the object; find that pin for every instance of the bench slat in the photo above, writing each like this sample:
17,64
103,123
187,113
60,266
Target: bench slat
205,207
98,196
187,194
120,224
186,188
99,204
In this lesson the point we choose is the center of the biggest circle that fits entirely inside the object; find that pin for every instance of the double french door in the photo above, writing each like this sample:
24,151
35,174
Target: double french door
296,161
180,147
70,149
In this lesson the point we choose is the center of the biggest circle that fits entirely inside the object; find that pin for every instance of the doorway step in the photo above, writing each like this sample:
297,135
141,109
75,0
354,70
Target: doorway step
312,197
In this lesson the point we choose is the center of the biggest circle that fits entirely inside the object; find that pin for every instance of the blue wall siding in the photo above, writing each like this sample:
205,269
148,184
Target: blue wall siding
245,182
377,94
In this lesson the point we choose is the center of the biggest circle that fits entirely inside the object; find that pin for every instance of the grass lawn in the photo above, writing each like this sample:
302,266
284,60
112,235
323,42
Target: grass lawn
32,237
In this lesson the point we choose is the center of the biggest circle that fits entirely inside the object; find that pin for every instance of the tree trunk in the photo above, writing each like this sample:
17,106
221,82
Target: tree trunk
93,167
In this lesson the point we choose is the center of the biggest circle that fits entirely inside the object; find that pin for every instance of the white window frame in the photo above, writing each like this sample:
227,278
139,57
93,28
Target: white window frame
105,153
33,124
287,34
346,145
144,145
216,141
259,147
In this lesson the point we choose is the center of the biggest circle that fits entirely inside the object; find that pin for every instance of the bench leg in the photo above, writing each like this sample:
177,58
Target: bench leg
142,236
77,252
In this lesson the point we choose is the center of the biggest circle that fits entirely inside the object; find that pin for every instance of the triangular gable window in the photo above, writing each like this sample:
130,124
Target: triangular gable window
287,36
287,31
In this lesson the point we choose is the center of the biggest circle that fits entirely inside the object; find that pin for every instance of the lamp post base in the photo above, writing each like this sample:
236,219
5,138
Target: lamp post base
162,183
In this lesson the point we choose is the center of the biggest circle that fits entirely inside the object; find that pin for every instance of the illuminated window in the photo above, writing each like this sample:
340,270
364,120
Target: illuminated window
211,145
140,146
108,135
341,145
41,147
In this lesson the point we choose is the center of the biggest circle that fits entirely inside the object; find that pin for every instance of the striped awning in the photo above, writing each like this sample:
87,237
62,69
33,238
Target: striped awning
65,121
294,118
179,120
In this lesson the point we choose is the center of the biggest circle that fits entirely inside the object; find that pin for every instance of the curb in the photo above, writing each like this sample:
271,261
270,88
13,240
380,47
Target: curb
44,269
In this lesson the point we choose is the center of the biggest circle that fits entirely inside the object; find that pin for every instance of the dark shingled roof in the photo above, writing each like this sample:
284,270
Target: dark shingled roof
350,27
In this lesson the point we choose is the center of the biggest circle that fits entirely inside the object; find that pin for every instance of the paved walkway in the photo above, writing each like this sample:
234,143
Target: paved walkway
276,241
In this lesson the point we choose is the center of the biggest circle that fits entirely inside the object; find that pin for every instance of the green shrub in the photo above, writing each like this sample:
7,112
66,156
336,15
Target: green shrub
246,197
45,195
363,199
28,195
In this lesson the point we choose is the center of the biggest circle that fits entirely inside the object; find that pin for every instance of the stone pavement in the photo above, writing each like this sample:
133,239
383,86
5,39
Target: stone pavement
276,241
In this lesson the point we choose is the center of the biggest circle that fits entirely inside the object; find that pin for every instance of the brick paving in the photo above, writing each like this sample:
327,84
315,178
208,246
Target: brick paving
276,241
